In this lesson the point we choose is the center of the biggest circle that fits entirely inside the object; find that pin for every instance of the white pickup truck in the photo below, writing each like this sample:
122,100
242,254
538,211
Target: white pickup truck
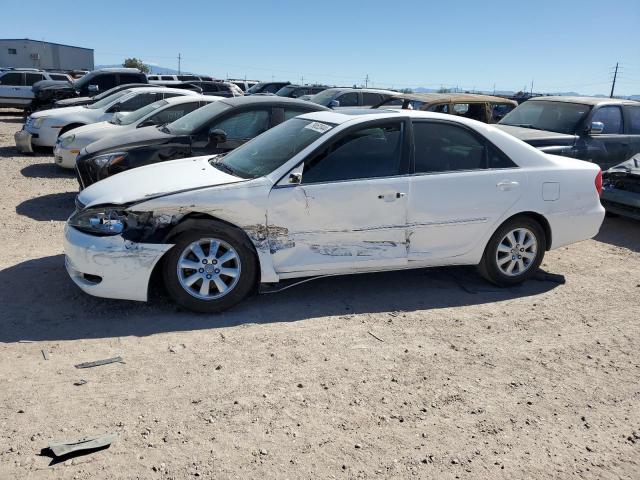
15,85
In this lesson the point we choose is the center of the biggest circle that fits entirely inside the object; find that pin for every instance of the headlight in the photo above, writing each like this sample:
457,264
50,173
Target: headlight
67,140
108,159
100,221
37,122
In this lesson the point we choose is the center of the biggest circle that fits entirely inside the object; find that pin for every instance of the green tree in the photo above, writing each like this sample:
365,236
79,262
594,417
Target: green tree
135,63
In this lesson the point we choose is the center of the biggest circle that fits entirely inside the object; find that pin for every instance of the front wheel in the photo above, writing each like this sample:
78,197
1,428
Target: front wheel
514,252
210,271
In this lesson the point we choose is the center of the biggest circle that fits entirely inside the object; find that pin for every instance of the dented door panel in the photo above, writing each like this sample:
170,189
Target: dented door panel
329,226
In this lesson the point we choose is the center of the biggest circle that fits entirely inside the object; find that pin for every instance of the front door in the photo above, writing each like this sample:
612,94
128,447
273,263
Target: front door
610,147
349,212
461,188
239,127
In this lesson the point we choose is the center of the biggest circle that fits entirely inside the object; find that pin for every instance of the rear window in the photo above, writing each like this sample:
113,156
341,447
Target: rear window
58,77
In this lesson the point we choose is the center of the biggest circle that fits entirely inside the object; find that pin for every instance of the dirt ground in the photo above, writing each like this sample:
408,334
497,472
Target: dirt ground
421,374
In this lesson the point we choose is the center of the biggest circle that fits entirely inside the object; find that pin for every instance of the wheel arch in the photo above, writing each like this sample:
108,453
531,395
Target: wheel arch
71,126
539,218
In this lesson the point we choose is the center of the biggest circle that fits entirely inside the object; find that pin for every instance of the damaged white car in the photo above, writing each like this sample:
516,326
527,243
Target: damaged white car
331,193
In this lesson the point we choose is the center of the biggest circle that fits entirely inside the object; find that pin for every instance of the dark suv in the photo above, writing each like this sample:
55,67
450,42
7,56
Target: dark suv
47,92
266,87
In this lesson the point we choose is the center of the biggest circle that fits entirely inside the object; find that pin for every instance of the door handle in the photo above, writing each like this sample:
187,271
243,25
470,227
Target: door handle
390,197
507,185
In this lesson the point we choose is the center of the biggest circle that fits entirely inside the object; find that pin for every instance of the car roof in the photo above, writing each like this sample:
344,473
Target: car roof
584,100
190,98
365,90
270,100
360,114
453,97
181,91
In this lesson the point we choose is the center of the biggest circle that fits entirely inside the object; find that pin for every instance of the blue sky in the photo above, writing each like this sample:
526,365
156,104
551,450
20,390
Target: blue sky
561,45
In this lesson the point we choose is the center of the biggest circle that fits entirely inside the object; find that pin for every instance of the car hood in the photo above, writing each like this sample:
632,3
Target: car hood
94,131
51,85
538,137
69,102
57,112
155,180
136,136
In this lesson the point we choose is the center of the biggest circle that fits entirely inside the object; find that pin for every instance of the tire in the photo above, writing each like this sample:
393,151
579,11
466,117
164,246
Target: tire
522,258
205,293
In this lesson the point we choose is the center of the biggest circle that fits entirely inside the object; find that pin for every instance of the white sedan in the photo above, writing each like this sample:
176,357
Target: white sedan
70,143
43,128
331,193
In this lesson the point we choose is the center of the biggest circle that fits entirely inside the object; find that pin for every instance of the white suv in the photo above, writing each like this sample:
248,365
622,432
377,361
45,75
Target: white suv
15,85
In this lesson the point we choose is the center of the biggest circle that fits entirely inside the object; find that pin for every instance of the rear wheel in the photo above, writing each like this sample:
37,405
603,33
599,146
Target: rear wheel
210,271
514,252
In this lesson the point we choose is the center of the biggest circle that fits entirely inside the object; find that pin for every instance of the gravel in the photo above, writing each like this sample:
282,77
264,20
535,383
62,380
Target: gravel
538,381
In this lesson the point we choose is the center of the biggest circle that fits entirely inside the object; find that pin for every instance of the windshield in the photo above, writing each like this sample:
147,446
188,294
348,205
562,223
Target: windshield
323,98
197,119
83,80
558,117
273,148
256,88
285,91
107,100
140,113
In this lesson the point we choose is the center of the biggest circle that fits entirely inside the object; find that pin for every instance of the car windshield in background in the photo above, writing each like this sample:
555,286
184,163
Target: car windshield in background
196,119
286,91
140,113
83,80
107,100
272,149
558,117
323,98
256,88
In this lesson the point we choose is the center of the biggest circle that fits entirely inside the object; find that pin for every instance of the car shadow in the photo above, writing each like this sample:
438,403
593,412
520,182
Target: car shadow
621,232
55,206
46,170
42,303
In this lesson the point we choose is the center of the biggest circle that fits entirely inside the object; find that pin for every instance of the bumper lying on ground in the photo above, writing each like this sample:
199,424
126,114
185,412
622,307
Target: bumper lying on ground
110,267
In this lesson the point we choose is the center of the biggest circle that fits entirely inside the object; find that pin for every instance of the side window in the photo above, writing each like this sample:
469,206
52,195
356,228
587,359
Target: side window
130,78
348,99
292,112
166,77
499,110
611,117
12,78
273,88
442,147
364,153
104,82
171,114
634,117
31,78
370,99
441,108
138,101
162,95
152,77
58,77
245,125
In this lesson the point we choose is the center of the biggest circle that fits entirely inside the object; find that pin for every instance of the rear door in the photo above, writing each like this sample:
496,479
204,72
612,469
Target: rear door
462,187
632,121
12,89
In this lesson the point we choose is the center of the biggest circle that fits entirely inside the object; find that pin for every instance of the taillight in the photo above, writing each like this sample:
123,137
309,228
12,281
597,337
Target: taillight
598,182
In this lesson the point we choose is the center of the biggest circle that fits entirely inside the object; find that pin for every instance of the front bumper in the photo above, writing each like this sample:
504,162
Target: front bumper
23,141
110,267
65,157
621,202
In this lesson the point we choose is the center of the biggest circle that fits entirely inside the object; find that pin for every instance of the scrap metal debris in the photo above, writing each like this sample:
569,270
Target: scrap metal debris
90,443
79,383
375,336
45,354
98,363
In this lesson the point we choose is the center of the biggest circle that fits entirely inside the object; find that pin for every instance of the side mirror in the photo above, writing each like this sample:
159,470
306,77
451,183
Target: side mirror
93,88
334,104
295,178
596,128
217,136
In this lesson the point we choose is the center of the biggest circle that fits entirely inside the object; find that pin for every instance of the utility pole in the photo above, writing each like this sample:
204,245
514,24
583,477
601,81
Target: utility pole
302,80
366,81
613,85
179,61
531,93
494,89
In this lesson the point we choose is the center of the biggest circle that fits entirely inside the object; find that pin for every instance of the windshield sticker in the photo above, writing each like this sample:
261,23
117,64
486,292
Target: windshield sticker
318,127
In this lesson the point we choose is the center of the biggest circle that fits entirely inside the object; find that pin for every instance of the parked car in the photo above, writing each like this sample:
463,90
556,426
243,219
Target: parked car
266,88
352,97
42,129
15,85
47,92
244,85
621,192
180,78
77,101
160,112
484,108
219,89
177,84
297,91
329,193
604,131
216,128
